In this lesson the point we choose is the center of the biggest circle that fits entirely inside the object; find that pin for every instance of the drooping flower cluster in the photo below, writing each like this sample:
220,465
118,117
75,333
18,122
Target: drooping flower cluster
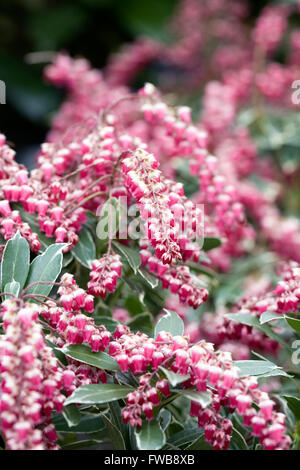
69,322
32,380
104,275
178,278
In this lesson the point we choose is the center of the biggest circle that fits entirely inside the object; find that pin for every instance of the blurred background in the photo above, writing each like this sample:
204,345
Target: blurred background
93,29
89,28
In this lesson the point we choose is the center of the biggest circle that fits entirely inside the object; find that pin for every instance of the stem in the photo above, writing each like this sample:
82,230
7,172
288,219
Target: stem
33,296
116,103
8,293
97,193
117,163
43,283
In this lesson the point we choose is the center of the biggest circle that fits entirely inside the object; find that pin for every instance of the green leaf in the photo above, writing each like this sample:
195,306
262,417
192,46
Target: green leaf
116,419
131,255
88,424
295,324
171,322
67,259
258,368
165,418
266,317
293,404
173,378
204,398
85,251
237,441
142,322
13,288
83,353
109,323
91,221
151,280
82,445
185,437
151,436
114,434
15,262
199,444
98,393
45,267
210,243
251,320
72,415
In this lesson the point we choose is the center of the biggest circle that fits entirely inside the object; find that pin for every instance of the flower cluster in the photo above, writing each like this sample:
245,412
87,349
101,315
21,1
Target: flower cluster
207,371
32,380
104,275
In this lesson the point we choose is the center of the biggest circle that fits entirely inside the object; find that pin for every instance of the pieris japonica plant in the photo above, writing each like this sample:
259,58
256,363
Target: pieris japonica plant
150,282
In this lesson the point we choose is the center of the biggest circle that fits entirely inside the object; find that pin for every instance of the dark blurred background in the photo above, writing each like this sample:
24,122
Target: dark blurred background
90,28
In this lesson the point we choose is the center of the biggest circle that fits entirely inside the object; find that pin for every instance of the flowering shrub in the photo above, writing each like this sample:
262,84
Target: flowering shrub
149,259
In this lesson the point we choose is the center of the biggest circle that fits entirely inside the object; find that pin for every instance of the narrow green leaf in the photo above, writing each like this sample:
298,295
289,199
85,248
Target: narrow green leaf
185,437
165,418
131,255
210,243
88,424
67,259
171,322
72,415
293,404
293,323
199,444
204,398
267,317
45,267
83,353
142,322
15,261
81,444
254,368
85,251
173,378
114,434
13,288
151,280
237,441
150,437
109,323
98,393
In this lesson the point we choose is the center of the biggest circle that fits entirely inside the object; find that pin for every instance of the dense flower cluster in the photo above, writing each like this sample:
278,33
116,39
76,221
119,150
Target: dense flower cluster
32,380
207,371
69,322
104,275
